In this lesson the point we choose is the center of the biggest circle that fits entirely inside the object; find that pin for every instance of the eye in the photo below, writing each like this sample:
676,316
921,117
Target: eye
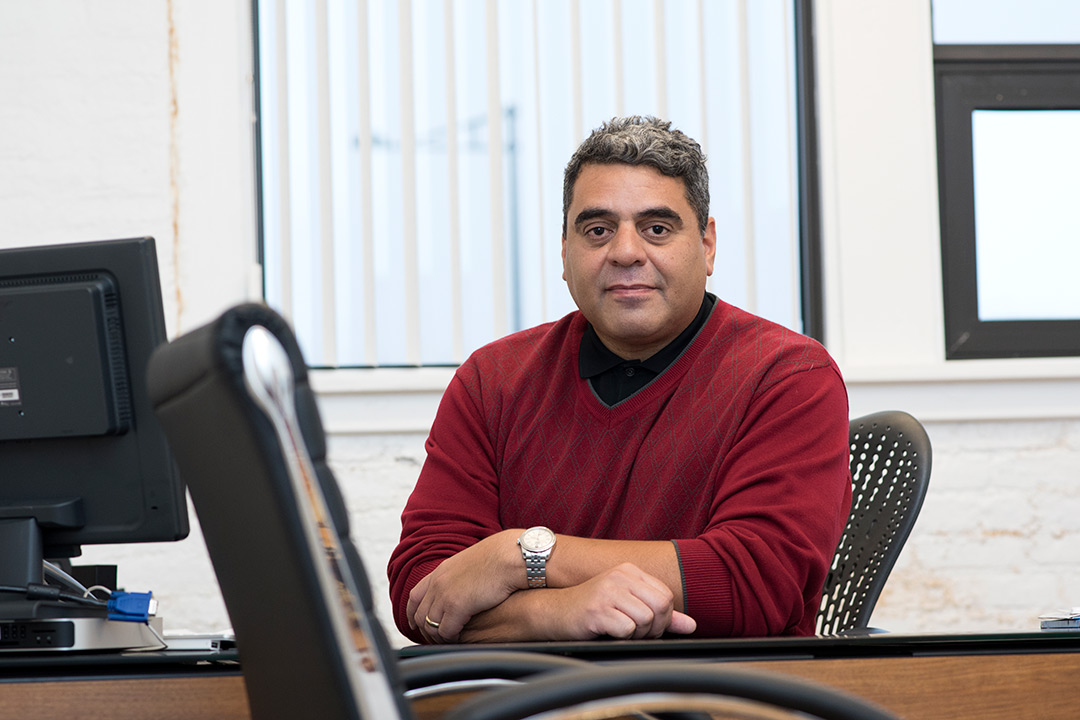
657,230
597,231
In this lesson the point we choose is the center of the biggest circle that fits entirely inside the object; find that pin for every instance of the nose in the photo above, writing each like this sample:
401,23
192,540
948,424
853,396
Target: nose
626,248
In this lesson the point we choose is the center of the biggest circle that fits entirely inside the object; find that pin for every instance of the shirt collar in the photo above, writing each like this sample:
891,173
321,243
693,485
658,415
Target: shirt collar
595,358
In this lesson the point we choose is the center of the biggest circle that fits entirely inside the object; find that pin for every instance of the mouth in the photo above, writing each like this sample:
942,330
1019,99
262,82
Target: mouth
630,290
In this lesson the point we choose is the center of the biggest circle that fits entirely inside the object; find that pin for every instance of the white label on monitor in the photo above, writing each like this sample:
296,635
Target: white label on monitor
9,386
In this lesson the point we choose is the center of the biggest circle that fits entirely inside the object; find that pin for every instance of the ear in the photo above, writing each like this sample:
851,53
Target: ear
564,256
708,242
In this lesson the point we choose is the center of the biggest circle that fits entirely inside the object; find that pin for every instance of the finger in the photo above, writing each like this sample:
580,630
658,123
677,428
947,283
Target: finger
416,596
614,623
450,626
641,614
658,625
431,628
657,602
426,614
642,619
440,623
682,623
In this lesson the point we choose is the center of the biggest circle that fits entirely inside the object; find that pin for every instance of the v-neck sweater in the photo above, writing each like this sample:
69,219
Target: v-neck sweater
614,378
737,453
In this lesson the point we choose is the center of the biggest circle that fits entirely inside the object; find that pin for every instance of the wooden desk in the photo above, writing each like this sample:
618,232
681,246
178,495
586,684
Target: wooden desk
1006,676
1040,687
122,686
1000,676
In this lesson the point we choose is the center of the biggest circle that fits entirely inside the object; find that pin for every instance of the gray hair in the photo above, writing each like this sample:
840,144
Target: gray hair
637,140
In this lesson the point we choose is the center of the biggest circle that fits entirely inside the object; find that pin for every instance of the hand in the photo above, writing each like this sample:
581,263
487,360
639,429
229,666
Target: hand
476,579
624,602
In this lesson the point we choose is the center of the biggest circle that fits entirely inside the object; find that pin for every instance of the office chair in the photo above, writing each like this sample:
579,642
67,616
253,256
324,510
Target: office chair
890,471
235,403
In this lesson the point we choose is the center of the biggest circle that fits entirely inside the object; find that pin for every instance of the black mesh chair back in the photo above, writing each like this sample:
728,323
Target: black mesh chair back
234,400
890,471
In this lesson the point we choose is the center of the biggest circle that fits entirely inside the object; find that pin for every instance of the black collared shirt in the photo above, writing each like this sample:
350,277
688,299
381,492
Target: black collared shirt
614,379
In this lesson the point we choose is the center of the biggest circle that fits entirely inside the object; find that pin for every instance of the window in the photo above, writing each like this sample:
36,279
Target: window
411,157
1009,153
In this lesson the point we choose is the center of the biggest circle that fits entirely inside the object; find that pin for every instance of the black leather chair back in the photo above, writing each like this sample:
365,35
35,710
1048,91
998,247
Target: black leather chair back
234,399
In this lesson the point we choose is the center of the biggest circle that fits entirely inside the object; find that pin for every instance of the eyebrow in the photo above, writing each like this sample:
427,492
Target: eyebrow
660,212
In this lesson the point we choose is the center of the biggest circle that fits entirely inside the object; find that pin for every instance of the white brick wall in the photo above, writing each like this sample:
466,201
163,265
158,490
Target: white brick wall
998,540
377,475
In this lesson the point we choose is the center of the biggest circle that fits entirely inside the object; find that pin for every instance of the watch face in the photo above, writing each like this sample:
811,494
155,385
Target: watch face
537,539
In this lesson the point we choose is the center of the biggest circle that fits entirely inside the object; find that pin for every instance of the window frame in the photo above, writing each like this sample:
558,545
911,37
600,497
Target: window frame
991,77
808,174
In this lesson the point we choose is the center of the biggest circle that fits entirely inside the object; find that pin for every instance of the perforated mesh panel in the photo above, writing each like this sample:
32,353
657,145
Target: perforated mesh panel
890,469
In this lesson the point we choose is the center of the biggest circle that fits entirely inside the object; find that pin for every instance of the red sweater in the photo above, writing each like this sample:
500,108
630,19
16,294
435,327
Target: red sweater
738,453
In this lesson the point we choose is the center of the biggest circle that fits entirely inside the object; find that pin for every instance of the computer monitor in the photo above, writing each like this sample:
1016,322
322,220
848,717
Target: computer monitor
83,459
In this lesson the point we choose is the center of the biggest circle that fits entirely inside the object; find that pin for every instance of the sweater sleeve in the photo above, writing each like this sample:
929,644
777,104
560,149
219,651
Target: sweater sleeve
783,494
455,502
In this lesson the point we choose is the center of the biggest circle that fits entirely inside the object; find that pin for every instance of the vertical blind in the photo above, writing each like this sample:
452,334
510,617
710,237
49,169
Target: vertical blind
412,151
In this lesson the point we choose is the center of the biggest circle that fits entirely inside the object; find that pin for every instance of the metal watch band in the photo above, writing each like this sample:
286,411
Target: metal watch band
536,571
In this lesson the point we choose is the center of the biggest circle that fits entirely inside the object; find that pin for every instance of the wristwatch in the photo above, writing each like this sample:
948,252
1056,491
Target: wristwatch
536,545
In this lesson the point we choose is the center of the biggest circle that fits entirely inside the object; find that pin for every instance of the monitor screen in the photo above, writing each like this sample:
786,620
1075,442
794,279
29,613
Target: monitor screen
82,457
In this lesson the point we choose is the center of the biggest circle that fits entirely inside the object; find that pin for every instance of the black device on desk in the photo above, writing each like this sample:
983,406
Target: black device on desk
82,457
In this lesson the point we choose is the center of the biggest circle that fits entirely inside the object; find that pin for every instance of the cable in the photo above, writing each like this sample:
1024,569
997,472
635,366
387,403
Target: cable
38,591
160,639
56,572
126,606
89,592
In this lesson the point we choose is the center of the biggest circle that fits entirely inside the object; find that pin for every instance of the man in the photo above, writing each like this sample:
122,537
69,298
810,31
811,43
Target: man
657,462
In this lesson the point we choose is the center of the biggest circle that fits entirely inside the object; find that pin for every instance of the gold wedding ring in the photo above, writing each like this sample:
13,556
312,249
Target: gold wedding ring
431,623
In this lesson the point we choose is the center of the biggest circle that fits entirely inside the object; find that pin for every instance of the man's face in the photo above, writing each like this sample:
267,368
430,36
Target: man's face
633,257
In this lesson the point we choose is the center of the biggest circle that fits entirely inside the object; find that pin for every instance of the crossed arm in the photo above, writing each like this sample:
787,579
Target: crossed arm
622,589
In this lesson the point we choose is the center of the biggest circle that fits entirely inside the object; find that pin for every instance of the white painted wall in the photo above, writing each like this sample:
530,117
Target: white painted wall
124,118
991,550
102,135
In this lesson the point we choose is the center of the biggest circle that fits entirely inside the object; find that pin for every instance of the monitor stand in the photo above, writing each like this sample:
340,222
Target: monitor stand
48,625
48,628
